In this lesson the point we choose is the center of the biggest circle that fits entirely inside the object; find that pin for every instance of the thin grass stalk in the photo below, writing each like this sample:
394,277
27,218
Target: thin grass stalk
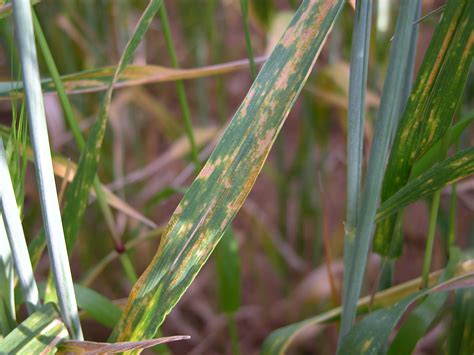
16,236
73,125
430,240
453,212
7,284
44,168
244,6
355,121
385,124
183,101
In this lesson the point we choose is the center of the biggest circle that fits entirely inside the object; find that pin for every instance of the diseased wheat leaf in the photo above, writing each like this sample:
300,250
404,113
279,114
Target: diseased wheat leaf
440,175
432,104
218,192
38,334
91,347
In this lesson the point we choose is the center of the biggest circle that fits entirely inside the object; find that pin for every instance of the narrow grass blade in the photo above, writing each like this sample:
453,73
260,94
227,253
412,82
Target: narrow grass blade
440,175
183,100
461,330
228,273
74,126
44,167
78,192
90,347
96,80
355,120
244,7
279,340
7,284
389,112
97,306
420,319
370,335
216,195
38,334
437,92
16,237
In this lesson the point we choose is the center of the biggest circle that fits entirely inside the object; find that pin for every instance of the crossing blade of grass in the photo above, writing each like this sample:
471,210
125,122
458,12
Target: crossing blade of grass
96,80
461,330
228,282
440,175
420,319
7,284
355,120
370,335
16,237
91,347
279,340
437,92
78,191
183,100
97,306
390,107
244,7
218,192
38,334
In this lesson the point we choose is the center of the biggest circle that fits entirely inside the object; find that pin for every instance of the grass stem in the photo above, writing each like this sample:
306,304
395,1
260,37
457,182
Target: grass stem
430,239
183,101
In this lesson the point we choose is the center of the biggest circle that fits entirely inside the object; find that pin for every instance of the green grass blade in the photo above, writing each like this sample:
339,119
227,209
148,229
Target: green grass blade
7,284
97,306
44,167
461,330
440,175
389,112
228,273
16,236
183,101
437,92
38,334
420,320
244,7
78,192
355,120
216,195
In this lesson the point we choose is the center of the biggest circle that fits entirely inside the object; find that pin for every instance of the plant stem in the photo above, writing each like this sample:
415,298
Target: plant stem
234,337
44,168
244,6
76,132
183,101
430,239
355,123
